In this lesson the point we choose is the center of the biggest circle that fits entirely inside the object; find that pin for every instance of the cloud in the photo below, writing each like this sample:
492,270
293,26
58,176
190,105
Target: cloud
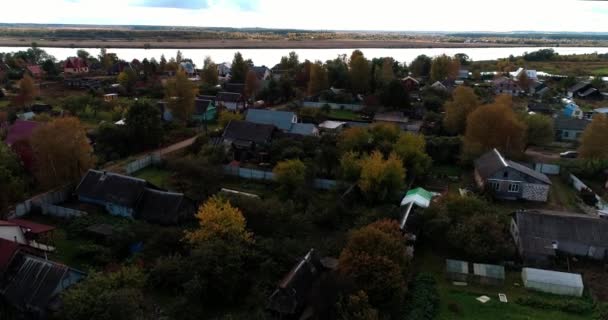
178,4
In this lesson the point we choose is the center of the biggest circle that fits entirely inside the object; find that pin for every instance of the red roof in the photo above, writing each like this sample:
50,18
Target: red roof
75,63
35,70
21,130
33,227
7,252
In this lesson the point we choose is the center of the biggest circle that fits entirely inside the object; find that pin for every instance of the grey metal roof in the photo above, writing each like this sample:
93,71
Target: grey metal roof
539,229
305,129
578,86
248,131
567,123
493,161
280,119
530,172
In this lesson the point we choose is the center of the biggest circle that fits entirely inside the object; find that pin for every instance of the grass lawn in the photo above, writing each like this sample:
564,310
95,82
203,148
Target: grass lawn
600,71
562,195
344,115
156,176
471,309
4,103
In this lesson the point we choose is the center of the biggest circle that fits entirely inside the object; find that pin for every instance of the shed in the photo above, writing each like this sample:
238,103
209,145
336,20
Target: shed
489,273
561,283
419,196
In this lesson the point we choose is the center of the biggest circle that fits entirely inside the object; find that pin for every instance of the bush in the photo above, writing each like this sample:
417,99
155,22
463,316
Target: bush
424,298
563,305
455,308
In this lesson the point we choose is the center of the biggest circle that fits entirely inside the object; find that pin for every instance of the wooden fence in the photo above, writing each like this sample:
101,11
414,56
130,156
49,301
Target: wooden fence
253,174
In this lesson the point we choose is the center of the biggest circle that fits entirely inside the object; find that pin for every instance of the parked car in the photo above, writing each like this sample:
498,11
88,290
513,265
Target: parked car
569,154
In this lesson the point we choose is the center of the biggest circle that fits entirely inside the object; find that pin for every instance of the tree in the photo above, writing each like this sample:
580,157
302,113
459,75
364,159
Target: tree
421,66
356,139
12,183
127,79
83,54
227,116
290,63
374,260
387,74
27,90
463,58
411,148
209,74
50,68
337,72
251,84
106,296
290,174
239,68
181,96
464,102
395,96
62,152
481,237
360,72
593,145
356,307
144,125
524,81
540,129
318,78
444,67
105,59
380,178
179,57
219,220
494,126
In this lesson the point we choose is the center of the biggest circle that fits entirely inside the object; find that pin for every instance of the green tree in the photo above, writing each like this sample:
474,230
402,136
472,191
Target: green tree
360,72
444,67
227,116
421,66
144,125
318,78
387,73
337,72
50,68
239,69
381,178
482,237
127,79
593,145
394,95
290,174
356,139
356,307
464,102
540,129
252,84
209,74
412,149
12,182
106,296
83,54
350,166
181,96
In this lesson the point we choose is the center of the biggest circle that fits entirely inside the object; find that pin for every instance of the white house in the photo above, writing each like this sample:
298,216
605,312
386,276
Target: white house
532,74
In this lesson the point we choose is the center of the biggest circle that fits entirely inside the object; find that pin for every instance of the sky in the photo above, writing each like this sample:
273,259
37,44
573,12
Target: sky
393,15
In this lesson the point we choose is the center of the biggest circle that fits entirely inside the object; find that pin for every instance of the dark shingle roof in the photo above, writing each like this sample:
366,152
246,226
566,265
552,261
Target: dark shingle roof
538,230
493,161
164,207
249,131
34,282
228,97
111,187
577,87
567,123
235,87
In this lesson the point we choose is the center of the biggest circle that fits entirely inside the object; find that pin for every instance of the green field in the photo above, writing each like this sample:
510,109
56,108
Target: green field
600,71
155,176
464,298
343,115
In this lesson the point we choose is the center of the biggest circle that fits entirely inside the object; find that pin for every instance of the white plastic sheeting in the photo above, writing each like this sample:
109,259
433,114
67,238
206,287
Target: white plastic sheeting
562,283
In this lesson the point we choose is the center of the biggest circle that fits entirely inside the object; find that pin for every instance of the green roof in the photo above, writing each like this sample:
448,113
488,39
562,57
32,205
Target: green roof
421,192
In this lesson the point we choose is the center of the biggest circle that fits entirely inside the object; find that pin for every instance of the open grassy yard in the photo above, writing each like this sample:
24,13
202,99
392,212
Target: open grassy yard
156,176
344,115
463,299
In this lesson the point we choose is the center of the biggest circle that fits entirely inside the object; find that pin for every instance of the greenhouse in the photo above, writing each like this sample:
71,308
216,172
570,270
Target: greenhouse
567,284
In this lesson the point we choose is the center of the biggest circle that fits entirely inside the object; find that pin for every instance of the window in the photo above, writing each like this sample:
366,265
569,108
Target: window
566,134
505,174
513,187
494,185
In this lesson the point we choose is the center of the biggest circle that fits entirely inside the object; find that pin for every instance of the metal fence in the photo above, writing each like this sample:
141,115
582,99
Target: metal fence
55,196
335,106
142,163
550,169
580,185
60,212
254,174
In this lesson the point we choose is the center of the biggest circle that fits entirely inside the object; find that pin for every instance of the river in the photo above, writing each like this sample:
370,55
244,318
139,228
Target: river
270,57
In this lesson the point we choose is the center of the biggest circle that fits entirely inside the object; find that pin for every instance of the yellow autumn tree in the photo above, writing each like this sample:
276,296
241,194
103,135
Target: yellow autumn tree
181,95
27,90
593,140
411,148
464,102
62,152
219,220
380,177
318,78
494,126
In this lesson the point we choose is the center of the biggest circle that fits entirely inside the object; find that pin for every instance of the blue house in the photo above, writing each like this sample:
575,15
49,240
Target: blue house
572,110
204,110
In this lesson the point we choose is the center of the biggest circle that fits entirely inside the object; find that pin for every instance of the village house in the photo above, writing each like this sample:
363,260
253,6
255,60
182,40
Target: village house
399,119
504,85
286,121
247,140
26,233
204,110
33,284
509,180
18,138
532,74
263,73
541,235
75,66
223,69
584,90
188,68
230,101
35,71
572,110
131,197
410,84
569,129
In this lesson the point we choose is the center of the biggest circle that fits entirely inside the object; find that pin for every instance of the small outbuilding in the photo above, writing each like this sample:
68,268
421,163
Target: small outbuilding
561,283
